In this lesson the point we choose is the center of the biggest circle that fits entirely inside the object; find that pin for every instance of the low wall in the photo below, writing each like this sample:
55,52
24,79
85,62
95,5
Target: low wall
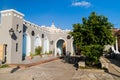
107,64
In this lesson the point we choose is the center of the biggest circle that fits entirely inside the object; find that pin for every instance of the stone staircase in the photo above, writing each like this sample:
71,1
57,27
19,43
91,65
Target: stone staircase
112,66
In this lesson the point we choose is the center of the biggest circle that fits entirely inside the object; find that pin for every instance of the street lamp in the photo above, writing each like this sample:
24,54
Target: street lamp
11,31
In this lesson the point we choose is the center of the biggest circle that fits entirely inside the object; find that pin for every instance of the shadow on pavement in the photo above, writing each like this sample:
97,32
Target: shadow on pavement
114,58
113,74
14,69
73,60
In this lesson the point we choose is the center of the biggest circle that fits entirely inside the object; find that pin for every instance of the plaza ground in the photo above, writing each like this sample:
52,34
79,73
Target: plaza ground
58,70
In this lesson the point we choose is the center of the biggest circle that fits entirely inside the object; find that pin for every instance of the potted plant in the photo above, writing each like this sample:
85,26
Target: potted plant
50,53
38,51
31,56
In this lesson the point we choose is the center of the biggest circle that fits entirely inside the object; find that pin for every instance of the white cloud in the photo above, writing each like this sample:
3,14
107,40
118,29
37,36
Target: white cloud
81,4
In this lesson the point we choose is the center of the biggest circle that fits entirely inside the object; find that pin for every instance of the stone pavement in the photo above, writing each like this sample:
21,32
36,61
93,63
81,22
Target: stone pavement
113,68
35,61
91,74
27,63
56,70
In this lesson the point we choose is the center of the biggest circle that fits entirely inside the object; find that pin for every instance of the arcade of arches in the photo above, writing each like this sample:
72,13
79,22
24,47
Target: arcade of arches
60,46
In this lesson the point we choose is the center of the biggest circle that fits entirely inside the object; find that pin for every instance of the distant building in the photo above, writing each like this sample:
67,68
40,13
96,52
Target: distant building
117,42
21,37
115,48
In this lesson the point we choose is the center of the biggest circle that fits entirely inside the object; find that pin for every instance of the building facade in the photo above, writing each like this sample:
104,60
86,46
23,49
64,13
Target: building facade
116,46
21,37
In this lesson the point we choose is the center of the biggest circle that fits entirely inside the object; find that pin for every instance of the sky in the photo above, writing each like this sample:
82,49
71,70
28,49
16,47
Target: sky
63,13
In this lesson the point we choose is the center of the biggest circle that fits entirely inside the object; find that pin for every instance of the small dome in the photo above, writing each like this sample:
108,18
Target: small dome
53,25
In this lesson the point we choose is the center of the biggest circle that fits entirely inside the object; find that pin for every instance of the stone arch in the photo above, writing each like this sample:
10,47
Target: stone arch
26,44
60,47
37,41
46,45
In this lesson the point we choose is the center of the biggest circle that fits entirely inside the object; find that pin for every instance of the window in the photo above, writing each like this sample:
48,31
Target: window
32,33
68,37
17,27
42,35
16,47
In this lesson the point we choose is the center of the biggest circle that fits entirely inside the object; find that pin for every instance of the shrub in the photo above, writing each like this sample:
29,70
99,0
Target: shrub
4,66
92,53
46,52
31,55
50,52
38,50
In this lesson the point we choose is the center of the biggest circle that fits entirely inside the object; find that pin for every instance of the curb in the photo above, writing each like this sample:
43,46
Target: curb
33,64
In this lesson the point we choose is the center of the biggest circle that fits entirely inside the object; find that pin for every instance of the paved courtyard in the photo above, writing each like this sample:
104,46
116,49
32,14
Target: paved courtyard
56,70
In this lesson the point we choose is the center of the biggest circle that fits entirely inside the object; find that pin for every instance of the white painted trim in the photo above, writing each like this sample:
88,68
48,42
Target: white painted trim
31,24
9,10
9,13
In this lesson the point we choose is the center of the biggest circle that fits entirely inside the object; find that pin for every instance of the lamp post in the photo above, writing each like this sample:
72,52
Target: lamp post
11,31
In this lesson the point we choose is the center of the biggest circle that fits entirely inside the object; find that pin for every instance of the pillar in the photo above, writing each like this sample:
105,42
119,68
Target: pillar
116,45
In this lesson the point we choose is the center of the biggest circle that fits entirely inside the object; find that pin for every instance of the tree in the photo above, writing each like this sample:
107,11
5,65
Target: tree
91,36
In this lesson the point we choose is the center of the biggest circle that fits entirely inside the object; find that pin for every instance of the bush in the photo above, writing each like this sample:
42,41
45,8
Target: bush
4,66
31,55
38,50
45,53
50,52
92,53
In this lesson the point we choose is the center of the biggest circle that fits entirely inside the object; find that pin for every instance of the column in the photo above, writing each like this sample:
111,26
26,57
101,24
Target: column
116,45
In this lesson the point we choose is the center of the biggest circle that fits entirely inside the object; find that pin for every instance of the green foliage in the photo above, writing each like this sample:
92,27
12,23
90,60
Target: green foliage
92,53
46,52
4,66
38,50
50,52
92,35
32,55
94,30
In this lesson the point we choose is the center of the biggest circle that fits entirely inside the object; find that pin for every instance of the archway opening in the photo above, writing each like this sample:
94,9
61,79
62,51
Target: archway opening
26,45
46,46
61,47
37,42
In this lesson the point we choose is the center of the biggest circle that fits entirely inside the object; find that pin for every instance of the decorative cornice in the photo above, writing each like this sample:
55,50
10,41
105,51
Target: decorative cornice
12,10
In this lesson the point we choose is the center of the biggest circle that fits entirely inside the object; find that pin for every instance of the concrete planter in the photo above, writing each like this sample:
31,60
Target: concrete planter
81,64
28,57
44,55
50,55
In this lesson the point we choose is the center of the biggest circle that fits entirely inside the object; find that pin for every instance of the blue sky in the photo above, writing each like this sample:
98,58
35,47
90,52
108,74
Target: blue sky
64,13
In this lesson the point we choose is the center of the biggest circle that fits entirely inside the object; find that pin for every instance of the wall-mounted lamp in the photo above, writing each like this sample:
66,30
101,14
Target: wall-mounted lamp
11,31
18,28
